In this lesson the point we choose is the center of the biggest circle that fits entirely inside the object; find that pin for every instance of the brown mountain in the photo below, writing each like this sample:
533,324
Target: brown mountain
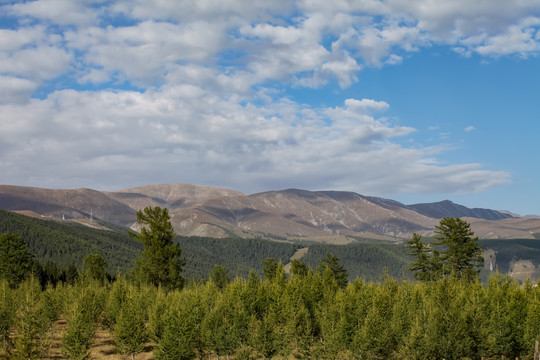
66,204
330,216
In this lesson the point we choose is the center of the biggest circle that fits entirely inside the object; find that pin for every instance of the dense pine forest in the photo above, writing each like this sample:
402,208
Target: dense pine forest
420,300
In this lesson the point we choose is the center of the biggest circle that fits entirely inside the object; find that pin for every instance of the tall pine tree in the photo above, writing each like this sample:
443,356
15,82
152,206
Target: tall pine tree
160,262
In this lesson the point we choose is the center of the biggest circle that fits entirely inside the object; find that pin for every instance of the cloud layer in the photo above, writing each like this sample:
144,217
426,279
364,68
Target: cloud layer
116,94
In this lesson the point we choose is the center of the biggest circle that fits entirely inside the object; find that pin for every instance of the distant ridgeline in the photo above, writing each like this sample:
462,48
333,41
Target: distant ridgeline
66,243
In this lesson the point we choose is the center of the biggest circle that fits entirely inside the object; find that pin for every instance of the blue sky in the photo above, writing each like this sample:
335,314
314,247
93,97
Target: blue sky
415,101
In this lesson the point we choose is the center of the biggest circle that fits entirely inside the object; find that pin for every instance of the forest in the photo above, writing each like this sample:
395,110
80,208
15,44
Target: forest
442,310
61,245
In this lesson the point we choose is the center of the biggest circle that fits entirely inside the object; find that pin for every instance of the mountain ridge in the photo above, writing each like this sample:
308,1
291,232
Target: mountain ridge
324,216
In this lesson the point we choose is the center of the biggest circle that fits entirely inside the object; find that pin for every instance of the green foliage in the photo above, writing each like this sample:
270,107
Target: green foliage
299,268
219,276
330,266
458,253
130,334
114,302
423,266
461,255
303,317
238,256
30,324
82,314
66,244
270,266
94,267
368,261
16,261
181,336
8,308
160,262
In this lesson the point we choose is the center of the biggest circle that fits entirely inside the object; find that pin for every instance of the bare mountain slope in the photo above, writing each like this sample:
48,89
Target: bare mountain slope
169,195
333,216
447,208
68,204
505,228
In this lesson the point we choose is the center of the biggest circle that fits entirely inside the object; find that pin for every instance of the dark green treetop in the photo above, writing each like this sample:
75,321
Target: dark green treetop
219,276
426,266
270,266
331,264
94,267
299,268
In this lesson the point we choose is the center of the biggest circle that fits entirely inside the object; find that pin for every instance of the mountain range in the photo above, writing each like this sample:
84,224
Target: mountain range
324,216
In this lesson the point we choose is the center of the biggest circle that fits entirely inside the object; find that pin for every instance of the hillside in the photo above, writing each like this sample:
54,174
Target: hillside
447,208
292,214
67,242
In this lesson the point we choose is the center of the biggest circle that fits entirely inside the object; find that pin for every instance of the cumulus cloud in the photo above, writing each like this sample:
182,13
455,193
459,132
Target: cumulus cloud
132,138
192,91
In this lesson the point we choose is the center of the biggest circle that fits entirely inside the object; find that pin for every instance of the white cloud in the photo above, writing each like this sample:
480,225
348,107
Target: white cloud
44,62
470,128
519,39
15,90
62,12
189,134
212,106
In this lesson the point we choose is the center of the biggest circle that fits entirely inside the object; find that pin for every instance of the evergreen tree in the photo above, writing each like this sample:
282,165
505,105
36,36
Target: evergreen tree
7,315
160,262
181,335
331,264
94,267
85,307
129,332
299,268
461,256
31,324
114,302
16,261
532,324
375,338
219,276
422,266
270,266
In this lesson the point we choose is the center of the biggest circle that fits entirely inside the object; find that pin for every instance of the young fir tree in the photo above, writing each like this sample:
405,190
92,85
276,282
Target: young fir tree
181,335
8,308
84,308
129,331
270,266
299,268
330,265
532,323
219,276
160,262
94,267
219,328
114,302
423,264
31,324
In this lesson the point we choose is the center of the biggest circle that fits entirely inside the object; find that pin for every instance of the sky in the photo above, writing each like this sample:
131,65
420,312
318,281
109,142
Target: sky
416,101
